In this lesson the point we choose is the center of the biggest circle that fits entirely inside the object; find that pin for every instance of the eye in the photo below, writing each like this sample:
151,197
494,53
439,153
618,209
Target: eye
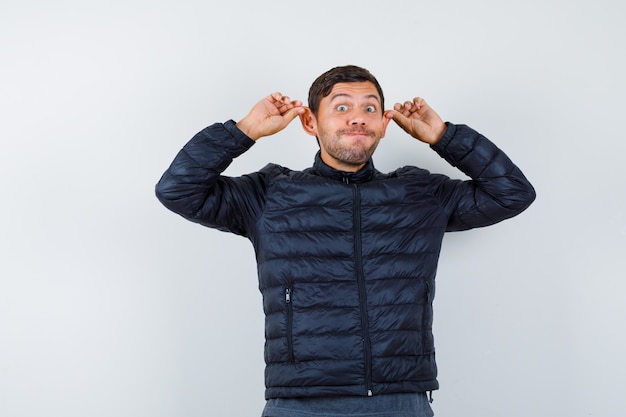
342,107
370,109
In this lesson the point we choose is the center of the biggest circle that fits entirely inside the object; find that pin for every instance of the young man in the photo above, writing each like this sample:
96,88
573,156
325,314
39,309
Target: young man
346,255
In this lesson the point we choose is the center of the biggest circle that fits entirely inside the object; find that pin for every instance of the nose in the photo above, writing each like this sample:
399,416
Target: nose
357,119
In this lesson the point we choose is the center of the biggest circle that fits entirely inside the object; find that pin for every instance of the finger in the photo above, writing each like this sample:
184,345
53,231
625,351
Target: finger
407,108
290,103
419,102
292,113
296,104
286,100
275,97
401,108
400,119
281,100
278,99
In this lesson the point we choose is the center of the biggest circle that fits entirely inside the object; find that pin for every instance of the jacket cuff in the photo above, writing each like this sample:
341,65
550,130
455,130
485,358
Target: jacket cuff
237,134
440,146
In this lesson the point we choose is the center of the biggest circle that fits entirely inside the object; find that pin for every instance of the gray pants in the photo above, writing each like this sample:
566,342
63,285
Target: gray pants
389,405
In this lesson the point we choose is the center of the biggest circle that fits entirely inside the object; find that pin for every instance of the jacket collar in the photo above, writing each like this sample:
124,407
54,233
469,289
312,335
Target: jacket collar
363,175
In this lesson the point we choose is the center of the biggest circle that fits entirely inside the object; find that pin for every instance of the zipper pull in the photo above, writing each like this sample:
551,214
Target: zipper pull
287,295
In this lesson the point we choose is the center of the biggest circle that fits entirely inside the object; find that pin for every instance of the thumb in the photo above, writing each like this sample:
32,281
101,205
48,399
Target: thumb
293,113
400,119
282,121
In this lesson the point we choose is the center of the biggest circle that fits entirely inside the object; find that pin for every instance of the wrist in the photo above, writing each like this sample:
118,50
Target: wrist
247,127
438,134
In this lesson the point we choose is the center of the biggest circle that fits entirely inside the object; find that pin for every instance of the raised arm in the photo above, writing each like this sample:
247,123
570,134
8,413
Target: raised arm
193,185
497,190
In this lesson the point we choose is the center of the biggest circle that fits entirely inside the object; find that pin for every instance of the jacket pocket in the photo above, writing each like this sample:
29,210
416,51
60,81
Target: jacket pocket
289,321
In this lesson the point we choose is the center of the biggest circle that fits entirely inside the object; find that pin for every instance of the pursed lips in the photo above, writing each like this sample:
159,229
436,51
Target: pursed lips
359,132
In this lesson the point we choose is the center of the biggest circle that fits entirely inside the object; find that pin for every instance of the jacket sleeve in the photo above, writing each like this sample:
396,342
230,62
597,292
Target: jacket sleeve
497,189
194,188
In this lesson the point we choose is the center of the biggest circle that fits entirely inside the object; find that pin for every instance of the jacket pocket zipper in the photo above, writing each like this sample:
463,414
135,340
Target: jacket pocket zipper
425,319
289,305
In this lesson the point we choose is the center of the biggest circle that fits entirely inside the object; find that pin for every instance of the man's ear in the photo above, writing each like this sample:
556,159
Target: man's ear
309,122
387,116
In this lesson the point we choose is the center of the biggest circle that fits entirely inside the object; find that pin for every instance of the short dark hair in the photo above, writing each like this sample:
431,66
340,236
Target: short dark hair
324,84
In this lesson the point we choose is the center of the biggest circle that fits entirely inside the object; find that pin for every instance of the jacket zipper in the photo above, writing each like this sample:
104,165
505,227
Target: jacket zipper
367,346
426,308
289,306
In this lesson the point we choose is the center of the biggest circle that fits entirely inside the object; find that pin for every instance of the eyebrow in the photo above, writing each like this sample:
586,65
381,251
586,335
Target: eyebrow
339,95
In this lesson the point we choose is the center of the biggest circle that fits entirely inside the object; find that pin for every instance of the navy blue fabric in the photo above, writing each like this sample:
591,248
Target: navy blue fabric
346,261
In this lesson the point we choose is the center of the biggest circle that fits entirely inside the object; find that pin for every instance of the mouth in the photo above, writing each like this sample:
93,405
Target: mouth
357,133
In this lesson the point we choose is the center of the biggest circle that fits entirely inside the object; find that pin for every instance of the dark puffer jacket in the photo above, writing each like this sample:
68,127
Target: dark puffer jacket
346,261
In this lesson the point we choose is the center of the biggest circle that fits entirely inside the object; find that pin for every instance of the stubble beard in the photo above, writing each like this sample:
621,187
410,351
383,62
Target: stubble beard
355,154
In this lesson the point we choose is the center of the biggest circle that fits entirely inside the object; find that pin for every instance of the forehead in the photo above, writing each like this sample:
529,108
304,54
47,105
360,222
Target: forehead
364,90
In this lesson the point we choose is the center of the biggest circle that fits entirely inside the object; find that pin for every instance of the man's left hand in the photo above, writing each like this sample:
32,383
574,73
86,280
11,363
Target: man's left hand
419,120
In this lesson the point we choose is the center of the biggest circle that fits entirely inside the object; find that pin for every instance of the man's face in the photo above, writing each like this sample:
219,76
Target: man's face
349,124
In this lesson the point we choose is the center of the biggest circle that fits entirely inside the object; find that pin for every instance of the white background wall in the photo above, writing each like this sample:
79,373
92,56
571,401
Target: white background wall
110,305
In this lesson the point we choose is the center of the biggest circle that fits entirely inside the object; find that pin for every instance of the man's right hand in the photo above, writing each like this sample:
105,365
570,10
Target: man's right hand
270,115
